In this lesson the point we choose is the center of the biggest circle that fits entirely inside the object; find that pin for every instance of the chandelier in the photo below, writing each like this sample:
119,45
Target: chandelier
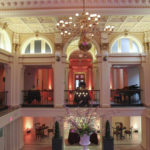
83,25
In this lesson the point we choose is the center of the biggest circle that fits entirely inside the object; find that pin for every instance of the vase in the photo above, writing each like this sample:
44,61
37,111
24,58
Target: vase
85,141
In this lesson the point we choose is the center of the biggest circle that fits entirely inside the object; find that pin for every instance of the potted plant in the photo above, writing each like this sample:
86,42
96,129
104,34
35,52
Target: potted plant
108,141
57,140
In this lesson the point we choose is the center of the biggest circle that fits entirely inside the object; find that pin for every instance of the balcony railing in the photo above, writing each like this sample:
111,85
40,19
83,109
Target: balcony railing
72,100
38,98
3,100
126,97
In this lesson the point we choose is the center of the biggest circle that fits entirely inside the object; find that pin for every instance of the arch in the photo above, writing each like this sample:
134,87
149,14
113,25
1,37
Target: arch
5,42
135,45
94,52
31,42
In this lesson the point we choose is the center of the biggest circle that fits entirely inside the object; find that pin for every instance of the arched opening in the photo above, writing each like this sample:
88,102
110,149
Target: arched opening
5,43
36,45
81,69
126,44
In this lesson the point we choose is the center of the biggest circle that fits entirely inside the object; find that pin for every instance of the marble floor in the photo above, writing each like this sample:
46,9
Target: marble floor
128,143
117,147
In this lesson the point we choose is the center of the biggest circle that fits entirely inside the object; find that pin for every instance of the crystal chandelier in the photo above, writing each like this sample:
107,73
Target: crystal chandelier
83,25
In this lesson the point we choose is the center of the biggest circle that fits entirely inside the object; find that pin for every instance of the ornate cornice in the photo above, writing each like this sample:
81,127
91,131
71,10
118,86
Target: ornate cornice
18,5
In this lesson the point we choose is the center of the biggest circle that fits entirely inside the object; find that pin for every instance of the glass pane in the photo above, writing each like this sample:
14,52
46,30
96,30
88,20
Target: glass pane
77,76
37,46
27,50
135,47
77,83
125,45
82,76
115,47
47,48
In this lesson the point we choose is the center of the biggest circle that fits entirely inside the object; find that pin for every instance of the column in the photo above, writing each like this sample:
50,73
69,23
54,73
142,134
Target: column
147,133
66,76
20,84
9,83
95,77
59,77
144,82
104,68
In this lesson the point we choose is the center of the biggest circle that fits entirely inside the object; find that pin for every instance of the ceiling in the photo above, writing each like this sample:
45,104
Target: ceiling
47,24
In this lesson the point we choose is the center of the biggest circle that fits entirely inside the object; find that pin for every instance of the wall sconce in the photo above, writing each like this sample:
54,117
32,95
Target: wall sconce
57,55
105,56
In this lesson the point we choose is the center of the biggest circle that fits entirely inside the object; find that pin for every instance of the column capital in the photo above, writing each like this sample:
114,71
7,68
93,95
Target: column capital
104,46
58,46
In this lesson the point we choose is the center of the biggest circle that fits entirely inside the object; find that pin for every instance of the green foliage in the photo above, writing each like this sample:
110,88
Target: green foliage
86,129
107,130
57,133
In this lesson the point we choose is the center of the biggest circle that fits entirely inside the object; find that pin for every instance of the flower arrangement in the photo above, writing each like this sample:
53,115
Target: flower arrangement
82,121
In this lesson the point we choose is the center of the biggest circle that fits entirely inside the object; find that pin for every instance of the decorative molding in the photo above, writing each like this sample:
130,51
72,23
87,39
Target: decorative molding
76,4
58,46
104,46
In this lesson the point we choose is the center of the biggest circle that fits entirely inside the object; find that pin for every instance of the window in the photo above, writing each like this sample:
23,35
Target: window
125,45
36,46
5,43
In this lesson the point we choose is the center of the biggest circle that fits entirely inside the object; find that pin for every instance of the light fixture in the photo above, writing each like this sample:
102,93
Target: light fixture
84,25
57,55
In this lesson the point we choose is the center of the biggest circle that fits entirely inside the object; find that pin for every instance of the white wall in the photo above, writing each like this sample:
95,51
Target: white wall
135,122
133,76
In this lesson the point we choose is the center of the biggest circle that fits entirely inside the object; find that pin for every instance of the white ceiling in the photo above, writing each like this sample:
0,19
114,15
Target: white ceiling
47,24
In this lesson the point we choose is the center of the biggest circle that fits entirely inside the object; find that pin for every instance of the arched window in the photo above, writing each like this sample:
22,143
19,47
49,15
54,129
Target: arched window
36,46
5,43
126,45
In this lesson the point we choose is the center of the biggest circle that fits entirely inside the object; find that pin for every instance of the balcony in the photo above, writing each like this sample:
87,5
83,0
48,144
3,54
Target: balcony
3,100
82,98
38,98
126,97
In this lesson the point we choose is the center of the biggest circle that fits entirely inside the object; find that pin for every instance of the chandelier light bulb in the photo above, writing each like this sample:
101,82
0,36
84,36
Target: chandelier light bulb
61,21
77,14
66,31
90,25
70,18
96,19
87,13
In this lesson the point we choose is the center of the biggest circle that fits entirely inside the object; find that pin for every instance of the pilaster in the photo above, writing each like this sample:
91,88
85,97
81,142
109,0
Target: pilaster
104,68
59,78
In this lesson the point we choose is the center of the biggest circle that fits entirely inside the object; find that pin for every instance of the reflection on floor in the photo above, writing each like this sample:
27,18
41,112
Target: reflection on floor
31,139
135,139
44,143
117,147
